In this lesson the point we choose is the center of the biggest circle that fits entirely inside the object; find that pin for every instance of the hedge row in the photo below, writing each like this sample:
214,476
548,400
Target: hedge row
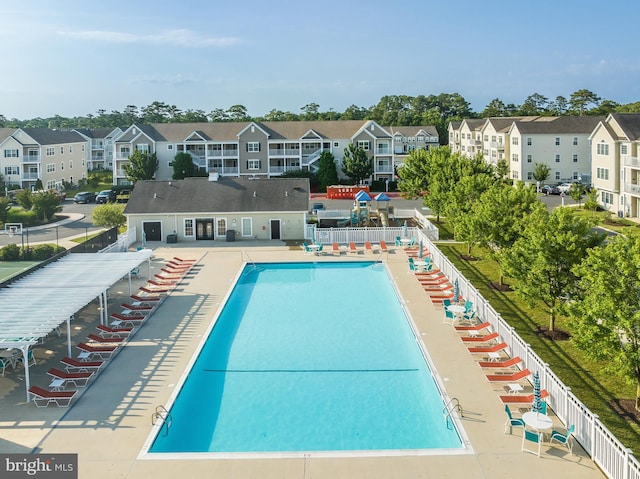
38,252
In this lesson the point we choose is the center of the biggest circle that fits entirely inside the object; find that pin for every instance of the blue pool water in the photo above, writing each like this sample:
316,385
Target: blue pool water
309,357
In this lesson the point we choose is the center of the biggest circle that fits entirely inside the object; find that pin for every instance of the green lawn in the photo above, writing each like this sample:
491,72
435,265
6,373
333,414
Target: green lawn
597,390
11,268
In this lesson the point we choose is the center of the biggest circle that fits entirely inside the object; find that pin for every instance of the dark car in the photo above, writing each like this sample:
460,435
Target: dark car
84,197
550,190
317,207
103,197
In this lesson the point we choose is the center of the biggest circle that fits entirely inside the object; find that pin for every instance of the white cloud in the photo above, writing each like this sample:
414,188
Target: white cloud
180,38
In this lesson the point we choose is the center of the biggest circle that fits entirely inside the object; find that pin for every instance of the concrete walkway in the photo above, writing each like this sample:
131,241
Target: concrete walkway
108,425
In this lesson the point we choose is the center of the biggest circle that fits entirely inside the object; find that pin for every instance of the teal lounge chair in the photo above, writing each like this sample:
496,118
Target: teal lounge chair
398,241
511,421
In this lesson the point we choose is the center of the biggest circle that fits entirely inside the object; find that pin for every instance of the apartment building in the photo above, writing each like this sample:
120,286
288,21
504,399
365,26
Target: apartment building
269,149
100,141
615,151
53,156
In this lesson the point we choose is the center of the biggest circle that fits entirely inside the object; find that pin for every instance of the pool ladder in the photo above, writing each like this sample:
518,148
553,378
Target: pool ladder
162,417
450,407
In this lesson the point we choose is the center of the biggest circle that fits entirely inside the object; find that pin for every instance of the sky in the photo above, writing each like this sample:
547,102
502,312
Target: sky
73,58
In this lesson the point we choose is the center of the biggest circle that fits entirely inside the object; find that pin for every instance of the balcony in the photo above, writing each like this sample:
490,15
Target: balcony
284,152
384,169
29,176
632,189
31,159
383,150
497,145
632,161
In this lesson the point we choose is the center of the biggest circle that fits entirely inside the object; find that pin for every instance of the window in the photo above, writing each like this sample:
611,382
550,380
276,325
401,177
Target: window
11,170
51,184
247,226
70,149
82,147
607,198
575,141
143,147
529,141
529,175
529,158
493,138
602,149
11,153
515,140
169,147
221,226
514,175
623,149
170,163
253,164
575,157
336,144
557,141
51,151
62,150
557,157
61,166
364,144
253,147
51,167
70,164
124,151
557,175
188,227
514,158
602,173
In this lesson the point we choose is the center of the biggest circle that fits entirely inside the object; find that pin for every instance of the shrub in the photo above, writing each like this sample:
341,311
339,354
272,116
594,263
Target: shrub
42,251
10,252
26,217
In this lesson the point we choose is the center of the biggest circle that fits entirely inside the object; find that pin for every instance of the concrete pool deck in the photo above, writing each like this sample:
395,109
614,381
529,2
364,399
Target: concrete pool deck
109,423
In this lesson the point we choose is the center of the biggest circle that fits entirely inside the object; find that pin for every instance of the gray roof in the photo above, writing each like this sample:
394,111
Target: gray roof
227,195
560,125
96,133
6,133
412,130
630,124
502,124
46,136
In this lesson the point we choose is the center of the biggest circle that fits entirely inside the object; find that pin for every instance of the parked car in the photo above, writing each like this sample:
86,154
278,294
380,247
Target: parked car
550,190
317,206
104,197
564,188
123,196
84,197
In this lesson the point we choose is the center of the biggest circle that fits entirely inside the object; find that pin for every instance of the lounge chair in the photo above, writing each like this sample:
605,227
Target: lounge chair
564,439
475,327
481,339
352,247
129,318
367,247
31,359
146,300
528,399
383,246
162,283
177,272
42,398
100,339
179,264
517,376
506,364
79,379
107,332
152,291
534,437
73,364
141,308
511,421
496,348
102,352
180,260
168,277
336,248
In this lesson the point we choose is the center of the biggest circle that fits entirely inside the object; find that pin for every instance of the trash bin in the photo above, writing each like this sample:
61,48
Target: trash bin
231,235
172,238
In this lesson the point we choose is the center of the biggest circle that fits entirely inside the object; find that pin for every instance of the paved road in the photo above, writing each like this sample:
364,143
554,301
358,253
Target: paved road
56,234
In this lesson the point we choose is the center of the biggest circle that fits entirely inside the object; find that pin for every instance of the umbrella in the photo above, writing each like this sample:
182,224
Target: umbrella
536,406
405,231
456,291
420,253
144,239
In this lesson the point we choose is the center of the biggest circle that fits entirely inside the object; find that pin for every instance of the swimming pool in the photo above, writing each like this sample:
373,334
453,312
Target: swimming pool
309,357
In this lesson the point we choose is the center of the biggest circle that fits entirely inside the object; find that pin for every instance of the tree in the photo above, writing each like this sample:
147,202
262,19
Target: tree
541,172
559,106
356,164
575,192
495,108
183,166
310,111
141,166
581,99
45,205
502,169
327,171
238,113
25,199
542,260
5,206
605,315
591,202
109,215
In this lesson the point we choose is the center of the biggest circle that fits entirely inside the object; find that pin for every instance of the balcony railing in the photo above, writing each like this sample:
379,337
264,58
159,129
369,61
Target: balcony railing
284,152
384,169
232,153
497,145
31,159
383,151
632,189
632,161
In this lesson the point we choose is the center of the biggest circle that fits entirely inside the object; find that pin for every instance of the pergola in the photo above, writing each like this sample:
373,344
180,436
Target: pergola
37,304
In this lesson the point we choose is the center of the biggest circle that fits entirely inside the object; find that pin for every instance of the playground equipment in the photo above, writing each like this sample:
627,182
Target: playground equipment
382,208
360,210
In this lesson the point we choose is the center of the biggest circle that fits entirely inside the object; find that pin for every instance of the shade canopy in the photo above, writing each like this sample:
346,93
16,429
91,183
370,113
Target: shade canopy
37,304
381,197
362,196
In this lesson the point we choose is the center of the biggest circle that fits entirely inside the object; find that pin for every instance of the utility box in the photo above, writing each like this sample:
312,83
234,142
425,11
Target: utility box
172,238
231,235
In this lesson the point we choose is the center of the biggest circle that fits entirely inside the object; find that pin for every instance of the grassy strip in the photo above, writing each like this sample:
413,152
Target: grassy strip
597,390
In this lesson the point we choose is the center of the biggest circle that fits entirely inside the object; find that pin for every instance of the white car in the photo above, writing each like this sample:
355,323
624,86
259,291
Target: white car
564,187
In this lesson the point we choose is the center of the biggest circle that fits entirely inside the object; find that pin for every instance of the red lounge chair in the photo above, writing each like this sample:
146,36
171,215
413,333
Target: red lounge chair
383,246
336,248
528,399
428,279
367,246
489,349
180,260
42,398
77,365
517,376
168,277
107,332
481,339
96,352
476,327
79,380
437,287
352,247
154,290
100,339
139,307
161,283
509,363
178,265
150,300
124,320
173,271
